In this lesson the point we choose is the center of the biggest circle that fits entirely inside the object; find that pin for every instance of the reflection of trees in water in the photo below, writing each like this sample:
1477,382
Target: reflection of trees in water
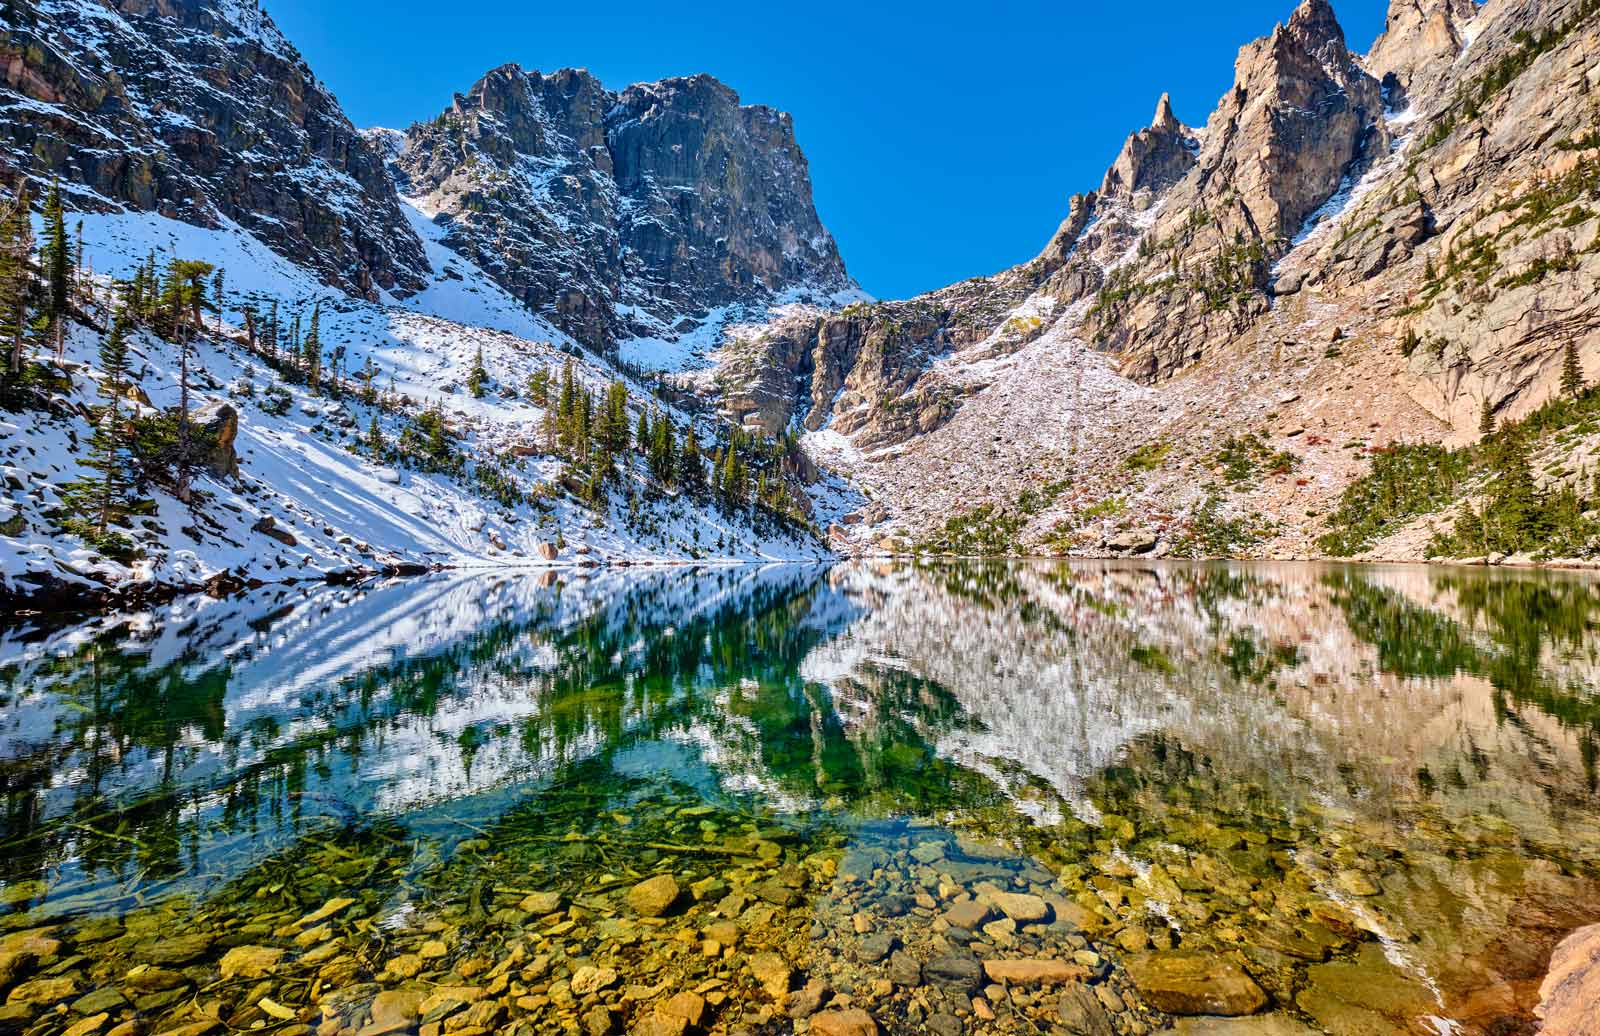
1528,624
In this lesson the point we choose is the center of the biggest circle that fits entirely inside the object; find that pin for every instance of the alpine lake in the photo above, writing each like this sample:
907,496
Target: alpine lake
947,798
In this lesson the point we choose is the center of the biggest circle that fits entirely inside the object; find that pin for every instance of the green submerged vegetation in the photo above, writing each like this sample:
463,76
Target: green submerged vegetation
958,798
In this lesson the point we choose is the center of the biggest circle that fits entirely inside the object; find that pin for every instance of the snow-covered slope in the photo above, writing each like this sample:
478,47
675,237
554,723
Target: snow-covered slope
308,470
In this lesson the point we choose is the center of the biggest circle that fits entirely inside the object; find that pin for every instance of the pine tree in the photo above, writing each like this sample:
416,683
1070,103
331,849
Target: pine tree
16,276
313,349
539,387
1571,372
478,376
1486,418
375,443
567,412
57,257
689,469
218,281
103,499
273,334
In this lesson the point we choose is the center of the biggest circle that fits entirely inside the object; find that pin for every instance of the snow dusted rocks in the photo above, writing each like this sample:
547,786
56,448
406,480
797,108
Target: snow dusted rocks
625,214
202,111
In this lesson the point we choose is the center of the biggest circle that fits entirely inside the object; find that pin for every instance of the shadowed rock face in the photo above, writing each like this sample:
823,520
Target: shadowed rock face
200,110
623,213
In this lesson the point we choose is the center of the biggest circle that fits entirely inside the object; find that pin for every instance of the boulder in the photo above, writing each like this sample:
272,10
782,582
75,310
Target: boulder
548,551
268,526
1137,541
1184,982
218,427
1571,986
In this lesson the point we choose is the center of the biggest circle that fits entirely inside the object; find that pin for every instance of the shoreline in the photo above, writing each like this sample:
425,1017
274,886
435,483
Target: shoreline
61,598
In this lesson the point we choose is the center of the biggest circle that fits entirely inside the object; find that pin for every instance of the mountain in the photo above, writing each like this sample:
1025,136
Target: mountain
201,111
1221,344
363,395
632,215
1353,312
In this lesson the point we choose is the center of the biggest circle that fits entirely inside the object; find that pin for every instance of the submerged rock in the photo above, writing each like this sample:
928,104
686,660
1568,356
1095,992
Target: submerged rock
1570,992
654,897
1184,982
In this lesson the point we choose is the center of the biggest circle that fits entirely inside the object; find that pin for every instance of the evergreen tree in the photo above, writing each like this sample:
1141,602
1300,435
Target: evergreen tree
1514,517
1486,418
375,443
1571,372
219,299
478,376
567,412
611,430
313,349
57,258
643,437
273,334
16,276
103,499
689,468
539,387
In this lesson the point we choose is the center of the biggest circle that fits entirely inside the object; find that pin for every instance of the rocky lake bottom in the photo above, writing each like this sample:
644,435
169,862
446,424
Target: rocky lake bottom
1090,798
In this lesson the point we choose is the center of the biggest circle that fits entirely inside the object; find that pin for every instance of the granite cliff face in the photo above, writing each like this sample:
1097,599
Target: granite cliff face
623,215
1353,251
199,110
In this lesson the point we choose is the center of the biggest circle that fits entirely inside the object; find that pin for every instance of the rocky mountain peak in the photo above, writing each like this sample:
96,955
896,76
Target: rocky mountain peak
622,214
1315,26
1164,120
1420,39
1151,159
200,110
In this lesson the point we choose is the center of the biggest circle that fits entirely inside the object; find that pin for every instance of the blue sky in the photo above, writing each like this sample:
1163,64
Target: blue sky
944,140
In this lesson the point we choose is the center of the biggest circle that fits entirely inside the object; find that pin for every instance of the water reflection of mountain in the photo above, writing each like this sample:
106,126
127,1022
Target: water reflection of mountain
1329,684
161,744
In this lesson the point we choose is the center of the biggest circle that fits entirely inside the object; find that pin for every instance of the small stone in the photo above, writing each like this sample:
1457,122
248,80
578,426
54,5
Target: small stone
45,991
854,1022
1183,982
803,1003
659,1025
876,947
588,980
905,970
396,1008
407,965
88,1026
599,1020
969,914
540,903
104,999
1133,940
1082,1013
773,973
960,972
691,1007
1021,908
654,897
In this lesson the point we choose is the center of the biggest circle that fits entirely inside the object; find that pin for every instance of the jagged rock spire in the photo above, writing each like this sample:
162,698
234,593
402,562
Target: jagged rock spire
1152,159
1165,121
1419,41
